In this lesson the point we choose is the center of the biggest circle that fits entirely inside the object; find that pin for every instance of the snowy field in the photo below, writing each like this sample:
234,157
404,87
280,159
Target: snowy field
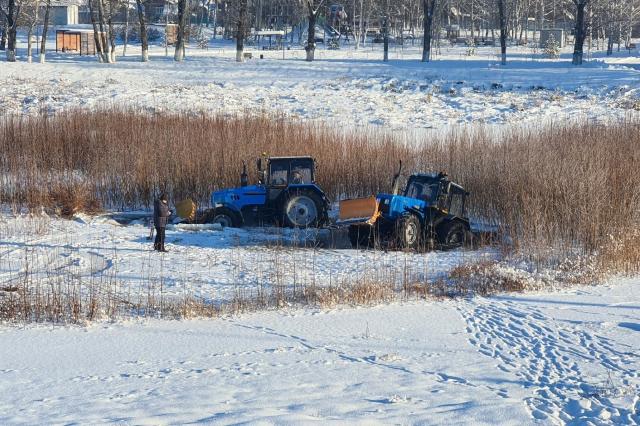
563,356
569,356
550,358
214,265
347,87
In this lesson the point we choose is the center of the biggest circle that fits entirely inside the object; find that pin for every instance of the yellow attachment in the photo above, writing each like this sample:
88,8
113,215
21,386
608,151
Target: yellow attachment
186,209
360,208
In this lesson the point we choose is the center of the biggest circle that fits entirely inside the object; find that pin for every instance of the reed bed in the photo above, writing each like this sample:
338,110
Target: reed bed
557,188
563,196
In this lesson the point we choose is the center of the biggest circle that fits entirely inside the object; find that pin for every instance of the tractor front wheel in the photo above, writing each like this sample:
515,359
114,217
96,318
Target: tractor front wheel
408,231
223,216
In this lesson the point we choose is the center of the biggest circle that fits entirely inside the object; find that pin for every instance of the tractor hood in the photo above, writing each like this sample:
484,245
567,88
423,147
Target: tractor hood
251,194
368,210
391,206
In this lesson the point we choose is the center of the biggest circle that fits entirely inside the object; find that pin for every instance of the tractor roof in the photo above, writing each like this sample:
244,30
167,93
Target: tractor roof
425,175
436,176
290,158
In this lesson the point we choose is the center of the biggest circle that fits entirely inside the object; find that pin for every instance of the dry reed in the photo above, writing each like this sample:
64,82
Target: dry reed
562,196
553,191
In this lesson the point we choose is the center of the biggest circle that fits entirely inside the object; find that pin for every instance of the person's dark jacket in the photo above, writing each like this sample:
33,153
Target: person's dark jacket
161,214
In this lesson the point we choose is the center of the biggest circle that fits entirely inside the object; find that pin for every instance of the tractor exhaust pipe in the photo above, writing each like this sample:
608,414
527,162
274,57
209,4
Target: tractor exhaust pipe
244,178
396,180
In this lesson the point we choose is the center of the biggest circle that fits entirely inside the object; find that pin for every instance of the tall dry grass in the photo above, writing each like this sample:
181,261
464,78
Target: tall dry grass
553,191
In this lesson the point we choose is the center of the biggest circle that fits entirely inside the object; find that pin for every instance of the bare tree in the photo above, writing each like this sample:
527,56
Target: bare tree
241,30
126,27
45,29
96,11
4,28
385,29
11,12
30,19
182,24
502,17
428,7
580,31
312,15
142,20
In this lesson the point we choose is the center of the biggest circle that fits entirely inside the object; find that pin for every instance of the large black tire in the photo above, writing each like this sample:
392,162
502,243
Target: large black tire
408,232
361,236
452,235
226,217
303,209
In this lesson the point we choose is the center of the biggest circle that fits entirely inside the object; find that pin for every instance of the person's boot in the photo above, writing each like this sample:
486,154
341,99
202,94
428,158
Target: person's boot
162,249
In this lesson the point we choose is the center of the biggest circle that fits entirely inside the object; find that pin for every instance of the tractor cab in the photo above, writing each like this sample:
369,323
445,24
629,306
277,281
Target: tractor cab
284,171
436,190
285,194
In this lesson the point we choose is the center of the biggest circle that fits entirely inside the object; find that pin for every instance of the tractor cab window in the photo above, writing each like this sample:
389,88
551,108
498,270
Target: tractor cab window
457,201
295,171
425,191
301,172
278,174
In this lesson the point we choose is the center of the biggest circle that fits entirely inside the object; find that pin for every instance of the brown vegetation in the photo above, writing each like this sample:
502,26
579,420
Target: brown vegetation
566,198
557,189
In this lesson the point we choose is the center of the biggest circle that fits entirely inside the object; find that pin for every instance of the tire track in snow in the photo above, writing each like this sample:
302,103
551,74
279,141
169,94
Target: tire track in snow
549,360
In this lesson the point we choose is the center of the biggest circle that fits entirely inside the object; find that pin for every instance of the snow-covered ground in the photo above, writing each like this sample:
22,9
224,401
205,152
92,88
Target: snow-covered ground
347,87
215,265
550,358
569,357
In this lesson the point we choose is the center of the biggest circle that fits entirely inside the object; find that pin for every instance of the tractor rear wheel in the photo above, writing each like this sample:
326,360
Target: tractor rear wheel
452,235
303,209
408,232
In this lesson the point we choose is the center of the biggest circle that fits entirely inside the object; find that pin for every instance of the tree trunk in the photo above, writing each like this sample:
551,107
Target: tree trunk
580,32
142,20
215,20
360,23
3,37
112,34
311,32
182,22
241,30
126,28
386,31
45,28
428,7
503,32
104,36
13,13
473,36
33,21
610,41
29,44
96,32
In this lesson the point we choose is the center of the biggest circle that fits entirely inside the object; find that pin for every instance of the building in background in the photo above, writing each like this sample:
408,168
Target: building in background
63,12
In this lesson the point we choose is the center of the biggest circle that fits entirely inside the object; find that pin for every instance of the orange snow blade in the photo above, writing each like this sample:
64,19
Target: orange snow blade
186,209
359,208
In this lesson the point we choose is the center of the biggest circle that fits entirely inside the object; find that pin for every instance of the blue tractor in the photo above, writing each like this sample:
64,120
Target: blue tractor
429,213
286,195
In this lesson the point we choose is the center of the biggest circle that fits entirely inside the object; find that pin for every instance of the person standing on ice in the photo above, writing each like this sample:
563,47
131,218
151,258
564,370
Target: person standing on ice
161,215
